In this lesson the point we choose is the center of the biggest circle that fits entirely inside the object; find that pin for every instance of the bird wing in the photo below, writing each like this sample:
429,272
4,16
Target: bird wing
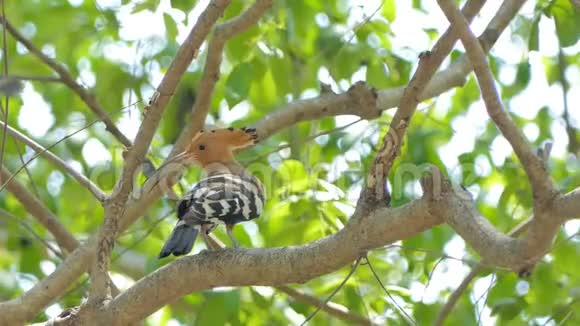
224,197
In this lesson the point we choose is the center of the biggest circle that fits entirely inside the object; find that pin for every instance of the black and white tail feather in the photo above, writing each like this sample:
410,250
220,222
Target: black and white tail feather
218,199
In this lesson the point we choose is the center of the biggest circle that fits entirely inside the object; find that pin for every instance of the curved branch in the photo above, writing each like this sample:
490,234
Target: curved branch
540,180
568,205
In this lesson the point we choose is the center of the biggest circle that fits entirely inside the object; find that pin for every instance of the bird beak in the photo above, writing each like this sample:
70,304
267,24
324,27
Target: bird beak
180,158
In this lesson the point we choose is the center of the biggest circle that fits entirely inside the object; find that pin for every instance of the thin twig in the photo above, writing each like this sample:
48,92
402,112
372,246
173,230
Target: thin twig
458,292
84,181
36,208
440,260
573,143
7,97
302,141
400,309
331,308
494,280
47,79
340,286
28,228
68,80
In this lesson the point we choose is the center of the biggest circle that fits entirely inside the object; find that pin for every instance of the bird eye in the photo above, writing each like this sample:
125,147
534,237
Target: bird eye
201,147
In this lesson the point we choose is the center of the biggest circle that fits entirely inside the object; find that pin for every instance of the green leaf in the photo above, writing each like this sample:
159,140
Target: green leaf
183,5
567,19
508,308
293,175
377,75
170,27
534,41
238,84
389,10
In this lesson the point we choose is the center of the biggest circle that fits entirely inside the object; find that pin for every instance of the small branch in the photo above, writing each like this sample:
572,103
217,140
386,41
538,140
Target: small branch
568,206
36,208
458,292
334,292
115,207
375,190
399,309
329,307
29,228
68,80
222,33
540,180
94,189
45,79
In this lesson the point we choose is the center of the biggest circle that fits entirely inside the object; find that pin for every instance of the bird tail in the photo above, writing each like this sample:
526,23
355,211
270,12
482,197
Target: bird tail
180,241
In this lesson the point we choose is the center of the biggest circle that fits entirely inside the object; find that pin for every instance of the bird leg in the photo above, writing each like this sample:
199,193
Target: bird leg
230,231
205,229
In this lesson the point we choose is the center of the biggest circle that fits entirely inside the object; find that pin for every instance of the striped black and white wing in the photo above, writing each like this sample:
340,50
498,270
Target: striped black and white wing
226,198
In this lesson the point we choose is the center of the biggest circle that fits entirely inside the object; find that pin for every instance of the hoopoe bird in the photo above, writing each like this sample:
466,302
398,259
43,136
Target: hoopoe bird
228,195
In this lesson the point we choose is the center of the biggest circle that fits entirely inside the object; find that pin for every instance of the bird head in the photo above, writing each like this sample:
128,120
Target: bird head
216,146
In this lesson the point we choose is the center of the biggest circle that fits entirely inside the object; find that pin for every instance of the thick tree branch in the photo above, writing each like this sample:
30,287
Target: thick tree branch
330,307
69,80
115,207
93,188
275,266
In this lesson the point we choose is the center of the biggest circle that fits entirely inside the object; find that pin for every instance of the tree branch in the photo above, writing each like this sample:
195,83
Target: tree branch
458,292
375,190
222,33
93,188
331,308
36,208
115,207
568,205
69,80
517,255
271,266
540,180
29,228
